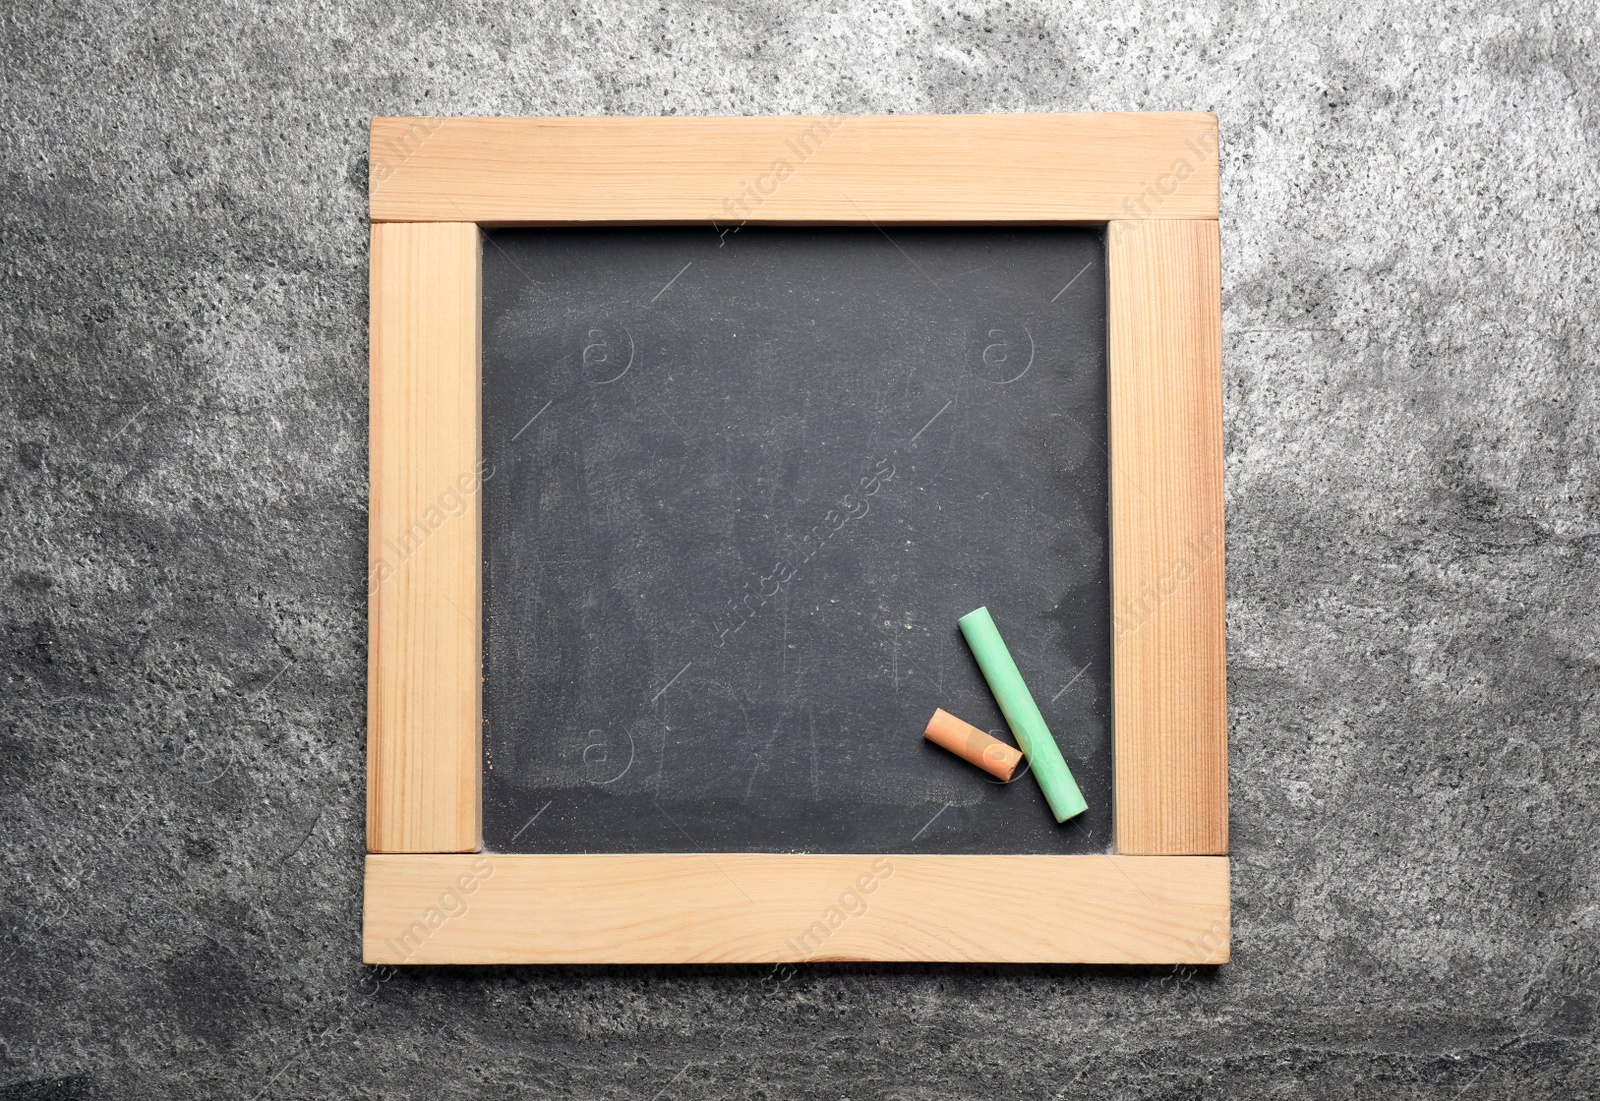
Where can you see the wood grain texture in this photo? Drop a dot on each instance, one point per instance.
(887, 169)
(1169, 664)
(424, 638)
(756, 908)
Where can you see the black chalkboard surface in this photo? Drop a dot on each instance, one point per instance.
(742, 485)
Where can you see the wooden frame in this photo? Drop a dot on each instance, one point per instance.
(431, 896)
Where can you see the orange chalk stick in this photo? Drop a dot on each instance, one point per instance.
(973, 745)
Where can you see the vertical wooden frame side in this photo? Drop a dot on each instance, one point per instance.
(424, 634)
(1169, 665)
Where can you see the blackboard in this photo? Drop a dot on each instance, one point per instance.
(740, 485)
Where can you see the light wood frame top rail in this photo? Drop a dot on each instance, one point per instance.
(800, 169)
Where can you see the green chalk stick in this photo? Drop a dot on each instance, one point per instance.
(1016, 703)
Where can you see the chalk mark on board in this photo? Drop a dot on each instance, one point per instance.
(661, 760)
(776, 729)
(1071, 281)
(751, 786)
(690, 440)
(929, 425)
(932, 820)
(671, 281)
(811, 724)
(1070, 683)
(533, 418)
(671, 682)
(531, 821)
(783, 650)
(917, 669)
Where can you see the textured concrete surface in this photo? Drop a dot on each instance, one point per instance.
(1410, 214)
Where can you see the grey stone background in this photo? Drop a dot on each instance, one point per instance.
(1410, 206)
